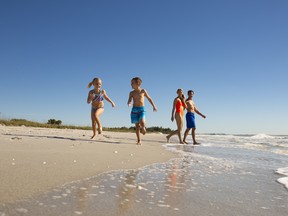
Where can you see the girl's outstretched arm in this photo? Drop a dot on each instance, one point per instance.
(90, 97)
(108, 99)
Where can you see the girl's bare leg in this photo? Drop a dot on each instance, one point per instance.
(98, 113)
(95, 117)
(170, 135)
(185, 135)
(179, 121)
(93, 124)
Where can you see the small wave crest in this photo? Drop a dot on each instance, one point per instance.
(283, 180)
(262, 136)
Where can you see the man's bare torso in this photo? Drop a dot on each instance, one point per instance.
(190, 106)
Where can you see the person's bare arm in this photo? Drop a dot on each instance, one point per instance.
(183, 100)
(108, 99)
(90, 97)
(173, 109)
(129, 99)
(150, 100)
(199, 113)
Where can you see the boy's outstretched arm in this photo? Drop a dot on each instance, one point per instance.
(129, 99)
(150, 100)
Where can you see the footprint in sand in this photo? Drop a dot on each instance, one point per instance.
(16, 138)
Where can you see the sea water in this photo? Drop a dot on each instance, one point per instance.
(225, 175)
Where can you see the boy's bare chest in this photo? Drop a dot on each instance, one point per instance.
(138, 95)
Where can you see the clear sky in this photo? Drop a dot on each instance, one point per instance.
(232, 53)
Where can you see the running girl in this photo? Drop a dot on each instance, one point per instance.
(96, 97)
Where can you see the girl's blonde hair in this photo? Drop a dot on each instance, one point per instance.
(95, 79)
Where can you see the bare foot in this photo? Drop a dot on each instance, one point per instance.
(93, 136)
(184, 141)
(143, 130)
(196, 143)
(167, 137)
(138, 143)
(100, 130)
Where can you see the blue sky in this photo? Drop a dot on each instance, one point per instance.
(232, 53)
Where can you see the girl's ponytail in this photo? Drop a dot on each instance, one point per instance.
(95, 79)
(90, 84)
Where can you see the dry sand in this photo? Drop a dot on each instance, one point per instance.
(34, 160)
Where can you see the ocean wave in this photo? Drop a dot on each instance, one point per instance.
(262, 136)
(282, 171)
(281, 152)
(283, 180)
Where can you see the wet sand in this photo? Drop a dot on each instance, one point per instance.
(201, 180)
(35, 160)
(182, 186)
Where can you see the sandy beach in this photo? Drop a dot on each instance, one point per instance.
(35, 160)
(62, 172)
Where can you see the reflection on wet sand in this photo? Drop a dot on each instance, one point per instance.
(127, 192)
(179, 187)
(82, 198)
(120, 193)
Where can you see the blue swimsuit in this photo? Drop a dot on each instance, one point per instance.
(137, 113)
(190, 120)
(98, 97)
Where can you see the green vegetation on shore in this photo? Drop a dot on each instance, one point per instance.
(52, 123)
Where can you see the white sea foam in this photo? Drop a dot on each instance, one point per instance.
(282, 171)
(283, 180)
(281, 152)
(261, 141)
(262, 136)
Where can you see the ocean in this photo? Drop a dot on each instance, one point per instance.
(227, 175)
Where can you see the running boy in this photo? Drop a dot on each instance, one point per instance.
(138, 110)
(190, 117)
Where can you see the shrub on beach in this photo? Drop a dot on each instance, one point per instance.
(54, 122)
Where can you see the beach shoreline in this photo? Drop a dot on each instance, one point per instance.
(62, 172)
(36, 160)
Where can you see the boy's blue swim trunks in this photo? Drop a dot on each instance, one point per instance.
(137, 113)
(190, 120)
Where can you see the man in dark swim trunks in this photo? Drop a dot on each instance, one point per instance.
(190, 117)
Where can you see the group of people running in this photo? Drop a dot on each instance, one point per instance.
(96, 97)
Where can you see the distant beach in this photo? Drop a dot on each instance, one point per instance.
(63, 172)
